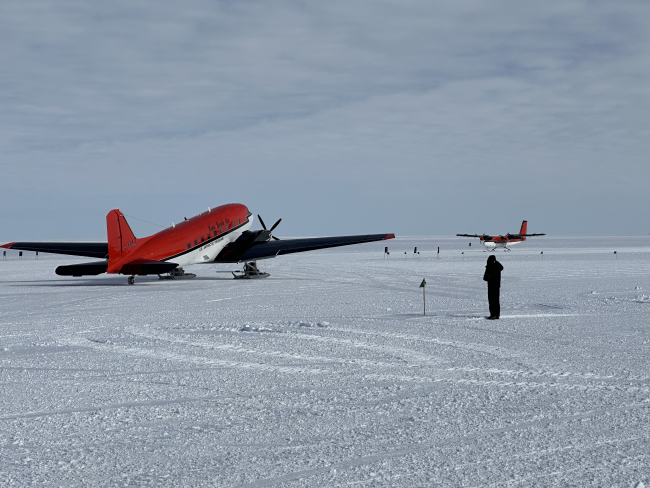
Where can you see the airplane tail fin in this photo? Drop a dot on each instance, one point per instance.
(524, 227)
(121, 240)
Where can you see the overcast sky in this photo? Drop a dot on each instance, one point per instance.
(413, 117)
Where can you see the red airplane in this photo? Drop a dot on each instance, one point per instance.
(493, 242)
(220, 235)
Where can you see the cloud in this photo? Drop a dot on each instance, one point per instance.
(309, 110)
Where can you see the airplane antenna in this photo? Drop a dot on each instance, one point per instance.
(132, 217)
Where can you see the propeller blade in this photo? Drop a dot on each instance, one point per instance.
(276, 238)
(261, 221)
(275, 225)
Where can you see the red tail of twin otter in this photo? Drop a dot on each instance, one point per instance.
(524, 228)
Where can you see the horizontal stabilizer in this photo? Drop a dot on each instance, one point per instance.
(147, 268)
(88, 249)
(89, 269)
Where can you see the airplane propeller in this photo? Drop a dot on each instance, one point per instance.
(271, 229)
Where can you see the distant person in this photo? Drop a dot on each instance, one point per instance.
(492, 275)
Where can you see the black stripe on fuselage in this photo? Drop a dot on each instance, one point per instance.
(212, 239)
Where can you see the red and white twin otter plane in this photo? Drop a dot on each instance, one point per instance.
(493, 242)
(220, 235)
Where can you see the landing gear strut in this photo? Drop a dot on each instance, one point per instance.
(249, 272)
(131, 280)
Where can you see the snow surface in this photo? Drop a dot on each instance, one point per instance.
(327, 374)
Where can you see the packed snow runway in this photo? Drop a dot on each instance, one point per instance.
(328, 374)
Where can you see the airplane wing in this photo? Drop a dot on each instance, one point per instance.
(247, 251)
(89, 249)
(468, 235)
(517, 236)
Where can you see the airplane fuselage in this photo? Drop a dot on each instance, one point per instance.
(498, 243)
(198, 240)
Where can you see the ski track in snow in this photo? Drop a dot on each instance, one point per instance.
(327, 374)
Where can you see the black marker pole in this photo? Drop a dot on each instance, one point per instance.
(423, 285)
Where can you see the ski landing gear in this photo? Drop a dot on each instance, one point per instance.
(249, 272)
(177, 274)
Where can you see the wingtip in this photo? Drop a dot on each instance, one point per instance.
(8, 246)
(389, 236)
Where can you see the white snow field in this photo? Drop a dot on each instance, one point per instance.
(328, 374)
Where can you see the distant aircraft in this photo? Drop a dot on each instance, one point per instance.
(494, 242)
(219, 235)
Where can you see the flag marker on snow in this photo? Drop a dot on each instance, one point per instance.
(423, 285)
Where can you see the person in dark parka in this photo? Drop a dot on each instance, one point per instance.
(492, 275)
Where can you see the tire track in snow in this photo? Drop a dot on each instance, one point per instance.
(521, 385)
(415, 448)
(169, 356)
(565, 471)
(557, 374)
(227, 399)
(420, 359)
(493, 350)
(543, 452)
(257, 352)
(480, 348)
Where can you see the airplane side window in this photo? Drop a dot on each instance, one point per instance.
(215, 233)
(238, 221)
(202, 239)
(196, 242)
(189, 246)
(208, 238)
